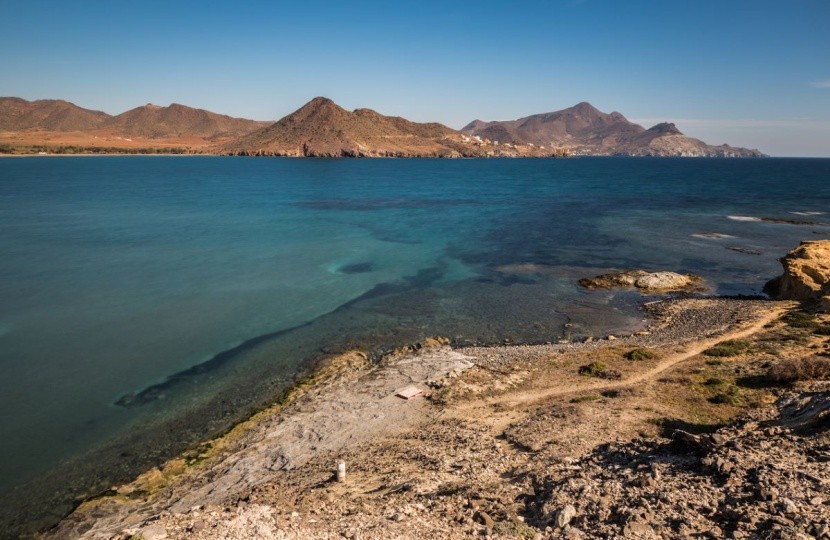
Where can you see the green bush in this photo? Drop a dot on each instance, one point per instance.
(641, 354)
(593, 369)
(800, 319)
(730, 347)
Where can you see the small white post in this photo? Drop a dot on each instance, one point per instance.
(341, 471)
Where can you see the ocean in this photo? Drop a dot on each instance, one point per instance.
(149, 303)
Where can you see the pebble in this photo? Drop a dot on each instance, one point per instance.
(564, 516)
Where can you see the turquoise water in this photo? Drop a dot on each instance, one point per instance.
(149, 302)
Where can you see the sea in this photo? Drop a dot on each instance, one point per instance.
(149, 303)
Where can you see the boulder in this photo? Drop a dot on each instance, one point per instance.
(645, 281)
(806, 274)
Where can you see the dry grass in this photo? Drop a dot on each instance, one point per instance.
(799, 369)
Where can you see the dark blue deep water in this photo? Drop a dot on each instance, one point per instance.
(149, 302)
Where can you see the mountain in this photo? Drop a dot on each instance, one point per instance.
(155, 122)
(58, 126)
(322, 128)
(47, 114)
(586, 130)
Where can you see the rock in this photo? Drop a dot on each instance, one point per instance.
(484, 518)
(154, 532)
(788, 506)
(806, 273)
(646, 281)
(638, 529)
(564, 516)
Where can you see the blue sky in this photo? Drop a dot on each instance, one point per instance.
(751, 73)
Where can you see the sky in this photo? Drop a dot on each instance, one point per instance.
(753, 73)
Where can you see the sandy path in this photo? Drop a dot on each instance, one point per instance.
(691, 349)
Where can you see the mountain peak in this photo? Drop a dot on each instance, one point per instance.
(583, 107)
(665, 128)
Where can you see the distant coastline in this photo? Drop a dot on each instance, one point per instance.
(321, 128)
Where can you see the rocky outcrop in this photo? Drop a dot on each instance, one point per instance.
(645, 281)
(764, 476)
(806, 274)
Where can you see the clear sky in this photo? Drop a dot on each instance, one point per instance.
(751, 73)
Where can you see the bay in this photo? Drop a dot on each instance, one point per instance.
(148, 303)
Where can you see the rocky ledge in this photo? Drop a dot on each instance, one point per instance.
(645, 281)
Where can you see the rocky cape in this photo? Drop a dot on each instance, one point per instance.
(585, 130)
(321, 128)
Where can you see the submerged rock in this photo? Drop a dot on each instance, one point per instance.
(806, 274)
(646, 281)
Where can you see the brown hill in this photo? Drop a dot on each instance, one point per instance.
(17, 114)
(587, 130)
(155, 122)
(321, 128)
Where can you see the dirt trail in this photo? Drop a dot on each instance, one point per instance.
(691, 349)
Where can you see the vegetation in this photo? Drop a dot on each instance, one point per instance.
(593, 369)
(583, 399)
(85, 150)
(800, 319)
(641, 354)
(799, 369)
(730, 347)
(730, 395)
(599, 369)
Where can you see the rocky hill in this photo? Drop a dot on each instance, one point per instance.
(154, 122)
(321, 128)
(47, 114)
(586, 130)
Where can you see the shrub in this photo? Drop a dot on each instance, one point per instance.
(799, 369)
(583, 399)
(822, 330)
(593, 369)
(800, 319)
(730, 347)
(641, 354)
(731, 396)
(599, 369)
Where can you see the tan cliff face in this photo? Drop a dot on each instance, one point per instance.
(806, 274)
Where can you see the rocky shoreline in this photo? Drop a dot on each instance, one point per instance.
(352, 403)
(710, 423)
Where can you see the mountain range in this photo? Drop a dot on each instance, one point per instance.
(321, 128)
(586, 130)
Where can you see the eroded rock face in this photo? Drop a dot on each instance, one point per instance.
(646, 281)
(806, 274)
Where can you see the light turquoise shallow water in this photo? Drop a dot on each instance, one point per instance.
(118, 275)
